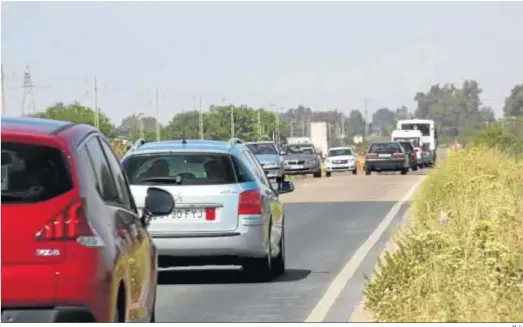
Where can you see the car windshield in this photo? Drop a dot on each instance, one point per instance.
(414, 140)
(385, 147)
(33, 173)
(262, 148)
(298, 149)
(180, 169)
(339, 152)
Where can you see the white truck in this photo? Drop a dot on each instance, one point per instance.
(413, 136)
(319, 137)
(299, 140)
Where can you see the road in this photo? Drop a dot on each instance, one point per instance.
(327, 221)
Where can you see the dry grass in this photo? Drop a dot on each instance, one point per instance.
(461, 257)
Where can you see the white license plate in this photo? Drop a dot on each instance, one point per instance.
(297, 167)
(184, 215)
(384, 155)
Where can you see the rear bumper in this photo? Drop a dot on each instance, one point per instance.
(246, 241)
(48, 315)
(386, 165)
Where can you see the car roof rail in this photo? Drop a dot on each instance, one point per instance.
(234, 140)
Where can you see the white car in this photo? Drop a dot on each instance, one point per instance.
(340, 159)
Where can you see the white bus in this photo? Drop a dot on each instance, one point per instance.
(427, 129)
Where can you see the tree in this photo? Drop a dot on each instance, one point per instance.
(77, 113)
(514, 103)
(130, 127)
(355, 124)
(383, 121)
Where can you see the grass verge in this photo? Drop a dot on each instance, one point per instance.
(460, 258)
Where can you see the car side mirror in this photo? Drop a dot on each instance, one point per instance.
(158, 202)
(286, 187)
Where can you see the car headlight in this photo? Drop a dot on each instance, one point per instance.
(271, 165)
(311, 162)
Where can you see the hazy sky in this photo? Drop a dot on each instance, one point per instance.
(321, 54)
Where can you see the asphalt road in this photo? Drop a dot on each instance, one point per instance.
(327, 220)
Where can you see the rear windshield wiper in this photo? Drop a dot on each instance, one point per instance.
(168, 180)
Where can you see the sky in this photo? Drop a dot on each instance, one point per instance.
(325, 55)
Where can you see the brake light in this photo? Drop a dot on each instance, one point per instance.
(70, 224)
(250, 203)
(370, 155)
(398, 155)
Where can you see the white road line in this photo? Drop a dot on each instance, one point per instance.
(338, 284)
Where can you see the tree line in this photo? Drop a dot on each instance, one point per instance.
(456, 110)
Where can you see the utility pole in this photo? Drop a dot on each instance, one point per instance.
(3, 92)
(278, 126)
(259, 125)
(28, 93)
(232, 121)
(366, 111)
(95, 100)
(157, 116)
(291, 125)
(201, 119)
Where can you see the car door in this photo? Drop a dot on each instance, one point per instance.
(125, 222)
(144, 265)
(276, 207)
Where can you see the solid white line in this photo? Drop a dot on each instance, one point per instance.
(338, 284)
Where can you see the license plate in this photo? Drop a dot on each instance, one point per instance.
(184, 215)
(384, 155)
(296, 167)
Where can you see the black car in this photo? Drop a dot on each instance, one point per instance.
(386, 156)
(412, 154)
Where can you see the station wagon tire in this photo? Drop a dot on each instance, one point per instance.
(367, 172)
(355, 172)
(404, 171)
(415, 168)
(278, 263)
(328, 174)
(259, 269)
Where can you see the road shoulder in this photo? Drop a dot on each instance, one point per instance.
(360, 314)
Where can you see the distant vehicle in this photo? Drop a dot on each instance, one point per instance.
(301, 159)
(386, 156)
(299, 140)
(413, 136)
(269, 157)
(340, 159)
(72, 237)
(227, 212)
(429, 135)
(413, 161)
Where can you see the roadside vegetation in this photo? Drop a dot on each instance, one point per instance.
(460, 258)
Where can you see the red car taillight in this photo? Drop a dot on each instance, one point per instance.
(70, 224)
(250, 203)
(370, 155)
(398, 155)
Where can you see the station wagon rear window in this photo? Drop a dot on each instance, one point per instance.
(391, 147)
(262, 148)
(180, 169)
(33, 173)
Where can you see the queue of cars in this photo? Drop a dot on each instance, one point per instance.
(83, 234)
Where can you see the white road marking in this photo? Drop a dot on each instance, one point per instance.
(338, 284)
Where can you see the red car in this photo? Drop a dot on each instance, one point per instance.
(74, 248)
